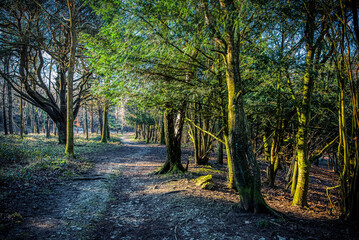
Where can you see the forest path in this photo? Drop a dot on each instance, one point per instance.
(146, 206)
(121, 199)
(71, 209)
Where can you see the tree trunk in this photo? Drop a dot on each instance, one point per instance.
(61, 129)
(245, 167)
(54, 128)
(301, 189)
(10, 117)
(173, 123)
(86, 130)
(23, 60)
(100, 118)
(4, 109)
(104, 135)
(22, 128)
(47, 125)
(219, 144)
(136, 131)
(92, 120)
(69, 150)
(33, 120)
(231, 181)
(162, 139)
(148, 137)
(343, 147)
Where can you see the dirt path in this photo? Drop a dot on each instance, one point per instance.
(121, 200)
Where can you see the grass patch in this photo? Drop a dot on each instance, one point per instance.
(36, 157)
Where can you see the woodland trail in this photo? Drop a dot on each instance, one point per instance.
(121, 199)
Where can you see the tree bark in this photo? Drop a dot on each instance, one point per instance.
(301, 190)
(54, 128)
(219, 144)
(33, 119)
(100, 117)
(10, 117)
(47, 125)
(173, 124)
(23, 59)
(245, 167)
(162, 138)
(61, 130)
(136, 131)
(69, 150)
(92, 120)
(104, 135)
(4, 109)
(86, 130)
(22, 128)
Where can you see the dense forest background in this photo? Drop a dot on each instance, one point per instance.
(269, 82)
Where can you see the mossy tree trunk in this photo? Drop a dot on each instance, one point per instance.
(69, 150)
(354, 188)
(301, 188)
(245, 167)
(173, 126)
(239, 150)
(220, 145)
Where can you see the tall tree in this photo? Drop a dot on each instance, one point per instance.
(313, 54)
(245, 167)
(73, 21)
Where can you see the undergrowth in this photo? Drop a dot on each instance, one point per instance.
(37, 158)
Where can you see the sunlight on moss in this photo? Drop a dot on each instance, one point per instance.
(207, 169)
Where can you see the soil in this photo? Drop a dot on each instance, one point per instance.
(122, 199)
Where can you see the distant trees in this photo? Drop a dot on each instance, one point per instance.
(34, 34)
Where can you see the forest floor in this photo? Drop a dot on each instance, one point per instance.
(119, 198)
